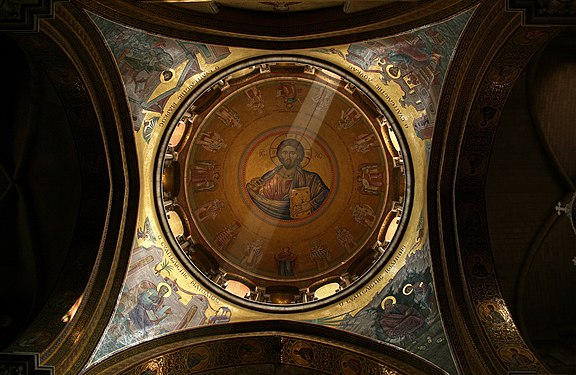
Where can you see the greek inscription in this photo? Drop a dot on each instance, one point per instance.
(366, 289)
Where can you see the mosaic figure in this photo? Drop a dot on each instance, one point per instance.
(229, 117)
(493, 315)
(255, 99)
(322, 99)
(228, 234)
(252, 254)
(286, 262)
(211, 141)
(348, 118)
(287, 96)
(364, 214)
(345, 238)
(204, 175)
(364, 142)
(371, 179)
(209, 210)
(288, 191)
(399, 321)
(150, 308)
(320, 255)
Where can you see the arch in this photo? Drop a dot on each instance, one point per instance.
(272, 342)
(456, 203)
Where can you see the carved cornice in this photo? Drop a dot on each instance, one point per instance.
(20, 15)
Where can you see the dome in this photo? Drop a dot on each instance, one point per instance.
(283, 181)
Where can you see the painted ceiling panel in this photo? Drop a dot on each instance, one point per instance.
(397, 305)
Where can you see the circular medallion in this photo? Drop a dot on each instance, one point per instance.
(197, 358)
(302, 354)
(288, 180)
(250, 350)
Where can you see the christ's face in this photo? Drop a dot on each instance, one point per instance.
(289, 157)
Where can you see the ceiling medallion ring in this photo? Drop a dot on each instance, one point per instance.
(287, 180)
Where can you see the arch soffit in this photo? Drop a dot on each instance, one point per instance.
(74, 41)
(495, 49)
(278, 342)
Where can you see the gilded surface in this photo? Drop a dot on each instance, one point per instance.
(257, 355)
(286, 178)
(397, 306)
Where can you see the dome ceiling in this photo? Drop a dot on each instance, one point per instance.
(291, 192)
(282, 178)
(285, 186)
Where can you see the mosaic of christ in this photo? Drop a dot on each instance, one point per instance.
(289, 191)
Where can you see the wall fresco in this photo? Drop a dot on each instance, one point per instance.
(417, 62)
(152, 306)
(153, 302)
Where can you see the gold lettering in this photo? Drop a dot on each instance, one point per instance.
(366, 289)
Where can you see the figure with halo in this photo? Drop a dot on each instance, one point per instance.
(150, 309)
(288, 192)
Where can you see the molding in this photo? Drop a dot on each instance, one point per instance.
(23, 16)
(24, 364)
